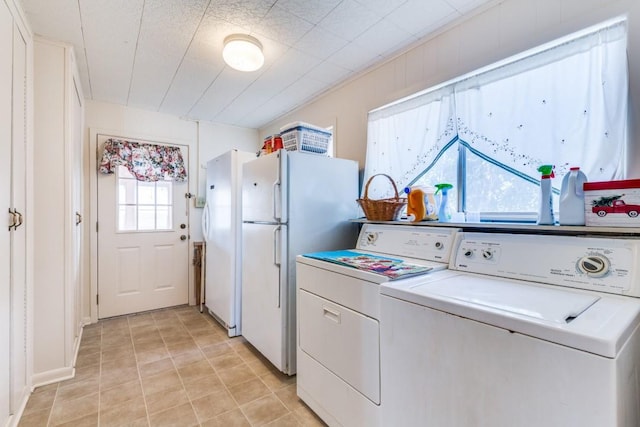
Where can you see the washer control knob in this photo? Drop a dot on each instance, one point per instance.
(594, 265)
(487, 253)
(468, 253)
(439, 245)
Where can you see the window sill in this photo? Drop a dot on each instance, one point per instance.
(518, 228)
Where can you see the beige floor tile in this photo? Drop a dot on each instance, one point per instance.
(217, 350)
(41, 398)
(115, 337)
(88, 359)
(236, 375)
(156, 367)
(152, 355)
(86, 372)
(90, 420)
(276, 380)
(264, 410)
(289, 397)
(249, 391)
(179, 347)
(124, 351)
(212, 405)
(226, 361)
(148, 341)
(77, 389)
(195, 370)
(140, 320)
(182, 416)
(234, 418)
(260, 367)
(162, 400)
(187, 358)
(35, 418)
(165, 381)
(120, 394)
(203, 386)
(209, 339)
(114, 377)
(120, 415)
(289, 420)
(69, 410)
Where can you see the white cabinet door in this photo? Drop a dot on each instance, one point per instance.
(6, 71)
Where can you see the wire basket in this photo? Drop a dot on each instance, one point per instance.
(383, 209)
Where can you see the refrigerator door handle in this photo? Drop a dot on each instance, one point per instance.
(275, 260)
(205, 222)
(275, 197)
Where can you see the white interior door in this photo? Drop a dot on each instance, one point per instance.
(143, 244)
(6, 41)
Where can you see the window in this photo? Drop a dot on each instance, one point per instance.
(143, 206)
(564, 103)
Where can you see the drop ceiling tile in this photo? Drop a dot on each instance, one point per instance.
(382, 7)
(320, 43)
(311, 11)
(355, 57)
(282, 26)
(419, 17)
(329, 73)
(349, 19)
(167, 29)
(244, 13)
(386, 36)
(111, 48)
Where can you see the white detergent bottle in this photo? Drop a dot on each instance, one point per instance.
(572, 198)
(545, 213)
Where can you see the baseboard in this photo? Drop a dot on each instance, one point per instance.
(15, 418)
(52, 376)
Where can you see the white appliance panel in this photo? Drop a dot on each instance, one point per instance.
(264, 258)
(445, 370)
(264, 189)
(599, 264)
(221, 230)
(342, 340)
(407, 241)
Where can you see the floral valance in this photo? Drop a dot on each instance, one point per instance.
(147, 162)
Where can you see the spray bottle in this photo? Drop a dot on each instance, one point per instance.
(443, 211)
(545, 213)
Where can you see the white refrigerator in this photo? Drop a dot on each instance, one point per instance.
(292, 203)
(221, 227)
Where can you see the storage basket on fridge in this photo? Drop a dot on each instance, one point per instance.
(305, 137)
(383, 209)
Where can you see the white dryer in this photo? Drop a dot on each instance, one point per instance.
(338, 323)
(523, 331)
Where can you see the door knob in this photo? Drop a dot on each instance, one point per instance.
(183, 237)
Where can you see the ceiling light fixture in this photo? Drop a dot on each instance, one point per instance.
(243, 52)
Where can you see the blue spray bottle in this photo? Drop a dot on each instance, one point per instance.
(443, 211)
(545, 213)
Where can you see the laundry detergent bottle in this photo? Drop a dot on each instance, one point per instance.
(444, 214)
(572, 198)
(416, 206)
(545, 213)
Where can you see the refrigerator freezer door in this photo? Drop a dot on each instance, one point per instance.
(264, 189)
(222, 273)
(263, 290)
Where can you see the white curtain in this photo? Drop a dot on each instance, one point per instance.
(405, 138)
(565, 105)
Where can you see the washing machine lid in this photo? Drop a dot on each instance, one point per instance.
(588, 321)
(550, 305)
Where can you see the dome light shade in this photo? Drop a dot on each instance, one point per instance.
(243, 52)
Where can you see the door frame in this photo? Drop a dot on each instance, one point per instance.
(92, 316)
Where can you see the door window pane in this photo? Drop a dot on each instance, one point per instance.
(143, 206)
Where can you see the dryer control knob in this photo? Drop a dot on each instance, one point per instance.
(439, 245)
(487, 253)
(594, 265)
(468, 253)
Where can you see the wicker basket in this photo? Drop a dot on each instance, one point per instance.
(383, 209)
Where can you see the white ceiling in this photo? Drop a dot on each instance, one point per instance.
(166, 55)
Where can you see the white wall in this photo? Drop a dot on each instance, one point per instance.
(496, 33)
(205, 141)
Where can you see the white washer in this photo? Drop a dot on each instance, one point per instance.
(522, 331)
(338, 321)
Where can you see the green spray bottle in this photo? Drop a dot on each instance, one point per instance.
(545, 213)
(443, 211)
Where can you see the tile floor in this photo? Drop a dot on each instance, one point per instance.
(172, 367)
